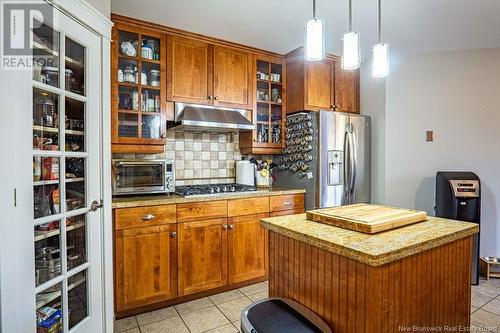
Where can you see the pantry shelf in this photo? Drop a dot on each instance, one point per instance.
(44, 299)
(40, 235)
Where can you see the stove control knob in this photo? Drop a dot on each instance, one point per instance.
(232, 189)
(211, 190)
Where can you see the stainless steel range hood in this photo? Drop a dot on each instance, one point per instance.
(209, 118)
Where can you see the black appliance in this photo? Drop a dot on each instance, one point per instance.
(458, 197)
(196, 190)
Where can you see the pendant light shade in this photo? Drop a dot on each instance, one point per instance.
(380, 63)
(351, 56)
(351, 50)
(315, 38)
(380, 56)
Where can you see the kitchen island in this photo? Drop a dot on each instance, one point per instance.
(411, 279)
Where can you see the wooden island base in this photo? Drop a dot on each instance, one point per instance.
(426, 290)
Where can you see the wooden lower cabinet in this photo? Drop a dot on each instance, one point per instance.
(247, 248)
(145, 266)
(202, 255)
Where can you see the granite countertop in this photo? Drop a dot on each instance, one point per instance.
(166, 199)
(377, 249)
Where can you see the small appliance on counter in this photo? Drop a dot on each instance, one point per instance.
(199, 190)
(245, 173)
(143, 176)
(458, 197)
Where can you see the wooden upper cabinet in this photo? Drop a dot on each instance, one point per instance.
(319, 85)
(247, 248)
(232, 77)
(346, 89)
(202, 255)
(189, 75)
(145, 266)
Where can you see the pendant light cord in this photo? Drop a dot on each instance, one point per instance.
(350, 15)
(314, 9)
(379, 21)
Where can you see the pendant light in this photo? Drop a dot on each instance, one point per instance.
(351, 46)
(380, 56)
(315, 38)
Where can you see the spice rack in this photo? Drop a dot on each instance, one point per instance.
(139, 89)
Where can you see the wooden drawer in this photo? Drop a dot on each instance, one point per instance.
(201, 211)
(287, 212)
(248, 206)
(144, 216)
(287, 202)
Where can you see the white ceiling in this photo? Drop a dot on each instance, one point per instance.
(277, 25)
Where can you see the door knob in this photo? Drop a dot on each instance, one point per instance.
(210, 97)
(231, 227)
(95, 205)
(224, 227)
(173, 234)
(216, 98)
(163, 136)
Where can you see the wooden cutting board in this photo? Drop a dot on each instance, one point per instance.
(366, 218)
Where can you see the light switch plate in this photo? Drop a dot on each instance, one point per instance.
(429, 136)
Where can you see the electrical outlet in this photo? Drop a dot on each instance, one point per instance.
(429, 136)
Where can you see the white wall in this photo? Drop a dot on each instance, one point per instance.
(104, 6)
(456, 94)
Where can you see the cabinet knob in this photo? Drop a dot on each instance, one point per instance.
(148, 217)
(173, 234)
(231, 227)
(216, 98)
(163, 136)
(210, 97)
(224, 227)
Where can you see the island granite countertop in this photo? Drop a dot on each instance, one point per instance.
(166, 199)
(377, 249)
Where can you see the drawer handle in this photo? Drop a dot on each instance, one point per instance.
(287, 203)
(148, 217)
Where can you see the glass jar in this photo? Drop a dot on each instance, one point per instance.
(44, 110)
(50, 75)
(128, 75)
(68, 76)
(154, 77)
(146, 52)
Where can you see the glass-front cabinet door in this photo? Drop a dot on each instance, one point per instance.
(139, 83)
(66, 173)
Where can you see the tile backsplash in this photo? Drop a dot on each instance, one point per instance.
(200, 158)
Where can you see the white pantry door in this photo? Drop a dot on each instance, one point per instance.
(66, 174)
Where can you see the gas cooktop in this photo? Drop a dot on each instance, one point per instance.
(195, 190)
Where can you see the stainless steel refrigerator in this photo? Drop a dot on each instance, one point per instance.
(328, 154)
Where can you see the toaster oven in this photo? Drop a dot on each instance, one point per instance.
(143, 176)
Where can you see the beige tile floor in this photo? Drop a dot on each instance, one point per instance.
(220, 313)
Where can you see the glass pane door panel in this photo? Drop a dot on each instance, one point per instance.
(276, 132)
(127, 71)
(150, 74)
(128, 125)
(262, 91)
(262, 70)
(276, 94)
(75, 125)
(276, 113)
(75, 183)
(76, 240)
(47, 252)
(151, 126)
(150, 48)
(127, 44)
(77, 298)
(45, 54)
(74, 74)
(49, 310)
(276, 72)
(45, 120)
(150, 100)
(262, 132)
(128, 98)
(45, 186)
(262, 112)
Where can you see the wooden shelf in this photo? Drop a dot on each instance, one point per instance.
(269, 81)
(144, 86)
(128, 111)
(75, 180)
(45, 182)
(151, 61)
(41, 235)
(46, 298)
(56, 130)
(128, 84)
(126, 57)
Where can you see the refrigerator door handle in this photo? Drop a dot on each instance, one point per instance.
(352, 163)
(347, 166)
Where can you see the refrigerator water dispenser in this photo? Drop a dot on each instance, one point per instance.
(335, 167)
